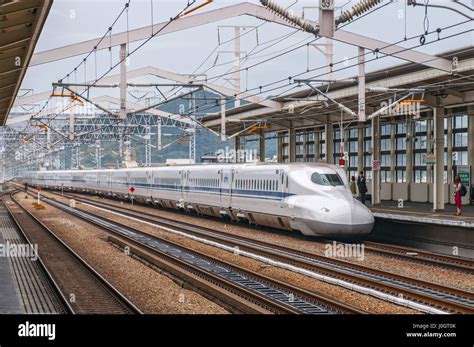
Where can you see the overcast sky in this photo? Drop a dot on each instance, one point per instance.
(75, 21)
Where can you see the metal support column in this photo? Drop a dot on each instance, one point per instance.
(393, 156)
(450, 176)
(98, 155)
(237, 65)
(375, 156)
(159, 145)
(237, 148)
(261, 145)
(360, 150)
(147, 146)
(123, 81)
(470, 140)
(317, 155)
(409, 153)
(438, 184)
(329, 143)
(429, 146)
(280, 147)
(361, 84)
(292, 145)
(223, 128)
(345, 148)
(192, 137)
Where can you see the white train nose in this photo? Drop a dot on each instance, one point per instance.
(338, 215)
(360, 214)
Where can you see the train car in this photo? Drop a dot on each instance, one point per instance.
(313, 198)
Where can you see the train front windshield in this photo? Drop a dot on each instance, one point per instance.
(326, 179)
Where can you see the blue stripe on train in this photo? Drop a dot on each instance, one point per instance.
(246, 193)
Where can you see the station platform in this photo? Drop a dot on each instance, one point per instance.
(24, 287)
(423, 213)
(10, 302)
(416, 225)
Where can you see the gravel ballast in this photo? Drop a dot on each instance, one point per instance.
(151, 291)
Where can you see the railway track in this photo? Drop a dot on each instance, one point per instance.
(265, 294)
(451, 262)
(415, 255)
(434, 295)
(84, 291)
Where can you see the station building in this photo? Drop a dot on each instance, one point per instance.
(401, 141)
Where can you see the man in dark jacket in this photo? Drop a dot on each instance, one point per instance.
(362, 185)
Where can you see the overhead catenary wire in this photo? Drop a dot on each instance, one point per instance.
(364, 54)
(247, 70)
(314, 69)
(190, 3)
(348, 66)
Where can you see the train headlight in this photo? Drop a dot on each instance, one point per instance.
(324, 209)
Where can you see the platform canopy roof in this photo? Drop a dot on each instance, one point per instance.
(21, 23)
(305, 108)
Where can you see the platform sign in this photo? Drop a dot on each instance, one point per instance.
(464, 173)
(430, 159)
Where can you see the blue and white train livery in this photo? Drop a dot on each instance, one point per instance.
(313, 198)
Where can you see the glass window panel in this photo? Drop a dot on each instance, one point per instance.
(353, 133)
(368, 131)
(401, 160)
(386, 129)
(401, 176)
(368, 161)
(353, 147)
(353, 161)
(460, 139)
(386, 160)
(420, 142)
(401, 128)
(385, 144)
(420, 126)
(367, 145)
(401, 144)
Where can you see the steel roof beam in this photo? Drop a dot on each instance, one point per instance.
(229, 12)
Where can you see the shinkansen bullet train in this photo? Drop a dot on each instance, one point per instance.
(313, 198)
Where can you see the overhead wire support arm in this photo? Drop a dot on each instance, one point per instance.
(320, 92)
(414, 3)
(385, 108)
(91, 102)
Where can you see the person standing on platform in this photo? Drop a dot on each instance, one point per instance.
(457, 194)
(362, 187)
(353, 186)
